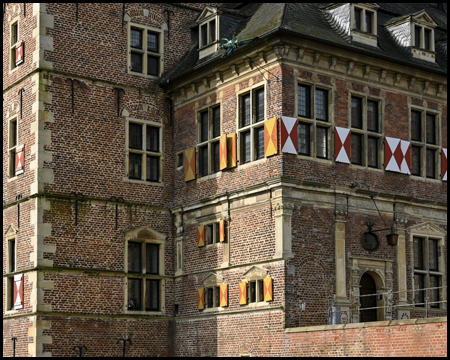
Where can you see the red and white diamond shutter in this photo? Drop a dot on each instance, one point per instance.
(342, 144)
(19, 54)
(397, 155)
(20, 159)
(289, 135)
(18, 291)
(444, 164)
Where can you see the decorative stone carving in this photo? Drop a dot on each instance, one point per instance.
(213, 279)
(255, 273)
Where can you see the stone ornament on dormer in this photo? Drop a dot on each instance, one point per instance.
(256, 273)
(414, 34)
(208, 25)
(213, 279)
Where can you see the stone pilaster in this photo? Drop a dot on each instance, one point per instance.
(400, 229)
(283, 229)
(339, 240)
(179, 242)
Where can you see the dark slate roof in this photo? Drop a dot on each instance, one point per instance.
(311, 21)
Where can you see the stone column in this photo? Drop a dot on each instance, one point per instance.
(400, 229)
(283, 230)
(226, 244)
(179, 242)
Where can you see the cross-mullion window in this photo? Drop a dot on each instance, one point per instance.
(145, 51)
(209, 130)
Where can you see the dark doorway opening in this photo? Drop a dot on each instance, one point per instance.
(368, 287)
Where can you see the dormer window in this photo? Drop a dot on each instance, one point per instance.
(364, 23)
(364, 20)
(423, 38)
(208, 26)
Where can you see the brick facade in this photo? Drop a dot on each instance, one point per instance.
(294, 219)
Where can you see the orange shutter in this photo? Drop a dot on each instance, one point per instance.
(189, 164)
(231, 150)
(223, 295)
(201, 235)
(268, 293)
(222, 230)
(270, 137)
(223, 152)
(242, 293)
(201, 298)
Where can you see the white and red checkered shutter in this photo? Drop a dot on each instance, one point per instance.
(289, 135)
(342, 145)
(444, 164)
(397, 155)
(20, 159)
(18, 291)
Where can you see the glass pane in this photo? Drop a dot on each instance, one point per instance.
(252, 291)
(418, 253)
(431, 163)
(152, 42)
(427, 38)
(135, 136)
(431, 129)
(433, 252)
(417, 36)
(304, 101)
(245, 110)
(153, 168)
(134, 294)
(13, 134)
(259, 142)
(304, 139)
(153, 65)
(136, 38)
(209, 234)
(152, 139)
(14, 33)
(136, 62)
(204, 35)
(322, 140)
(419, 296)
(260, 290)
(210, 297)
(372, 116)
(151, 295)
(356, 144)
(434, 293)
(246, 147)
(372, 152)
(369, 20)
(216, 296)
(203, 160)
(415, 161)
(212, 30)
(322, 104)
(134, 257)
(357, 112)
(216, 156)
(152, 258)
(135, 166)
(12, 256)
(204, 126)
(358, 13)
(216, 122)
(416, 126)
(259, 108)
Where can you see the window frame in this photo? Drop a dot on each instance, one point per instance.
(13, 44)
(423, 145)
(426, 272)
(145, 52)
(12, 145)
(144, 152)
(143, 276)
(422, 44)
(207, 23)
(11, 236)
(254, 126)
(364, 131)
(313, 122)
(210, 141)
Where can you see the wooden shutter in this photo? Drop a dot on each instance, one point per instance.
(397, 155)
(444, 164)
(201, 235)
(222, 230)
(268, 293)
(289, 135)
(242, 293)
(18, 291)
(224, 295)
(20, 157)
(223, 152)
(189, 164)
(231, 150)
(201, 298)
(19, 54)
(342, 145)
(270, 137)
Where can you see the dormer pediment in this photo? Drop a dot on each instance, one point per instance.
(207, 13)
(144, 233)
(11, 231)
(427, 229)
(213, 280)
(424, 19)
(255, 273)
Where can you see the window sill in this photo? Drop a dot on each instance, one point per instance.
(12, 179)
(421, 178)
(359, 167)
(251, 163)
(152, 77)
(143, 182)
(214, 309)
(209, 177)
(257, 304)
(149, 313)
(305, 157)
